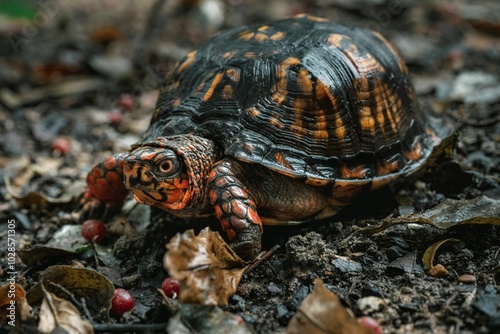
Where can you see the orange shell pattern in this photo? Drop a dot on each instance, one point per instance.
(305, 97)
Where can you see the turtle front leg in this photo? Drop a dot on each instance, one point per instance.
(105, 191)
(235, 209)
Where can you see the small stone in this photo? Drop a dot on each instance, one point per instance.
(111, 66)
(298, 296)
(467, 279)
(346, 265)
(394, 252)
(273, 288)
(371, 304)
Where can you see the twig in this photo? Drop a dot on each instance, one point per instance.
(129, 328)
(261, 259)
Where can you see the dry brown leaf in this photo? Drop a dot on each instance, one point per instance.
(13, 304)
(40, 253)
(60, 315)
(81, 282)
(481, 211)
(207, 268)
(322, 313)
(35, 198)
(437, 270)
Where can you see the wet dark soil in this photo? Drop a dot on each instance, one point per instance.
(78, 81)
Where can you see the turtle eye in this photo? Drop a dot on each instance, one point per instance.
(168, 166)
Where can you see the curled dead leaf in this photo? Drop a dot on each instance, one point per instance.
(437, 270)
(81, 282)
(321, 312)
(480, 211)
(60, 315)
(13, 304)
(40, 253)
(207, 268)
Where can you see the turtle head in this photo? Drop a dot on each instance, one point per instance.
(157, 176)
(171, 172)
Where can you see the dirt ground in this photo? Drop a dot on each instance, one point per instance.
(79, 80)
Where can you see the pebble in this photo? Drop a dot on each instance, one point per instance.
(467, 279)
(347, 265)
(273, 288)
(370, 304)
(112, 66)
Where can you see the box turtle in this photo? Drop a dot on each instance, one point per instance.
(277, 124)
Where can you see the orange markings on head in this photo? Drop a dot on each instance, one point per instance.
(181, 182)
(263, 28)
(147, 156)
(190, 58)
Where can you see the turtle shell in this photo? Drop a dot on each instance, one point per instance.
(304, 97)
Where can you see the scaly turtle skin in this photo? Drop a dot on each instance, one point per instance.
(278, 123)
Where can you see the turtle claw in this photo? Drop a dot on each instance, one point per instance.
(247, 244)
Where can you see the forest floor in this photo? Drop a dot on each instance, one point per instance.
(79, 81)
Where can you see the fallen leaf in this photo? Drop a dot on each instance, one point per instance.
(321, 312)
(81, 282)
(13, 304)
(405, 264)
(35, 198)
(437, 270)
(207, 268)
(203, 319)
(481, 211)
(40, 253)
(60, 315)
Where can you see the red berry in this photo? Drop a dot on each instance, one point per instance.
(116, 117)
(61, 146)
(126, 102)
(122, 302)
(171, 287)
(94, 231)
(370, 324)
